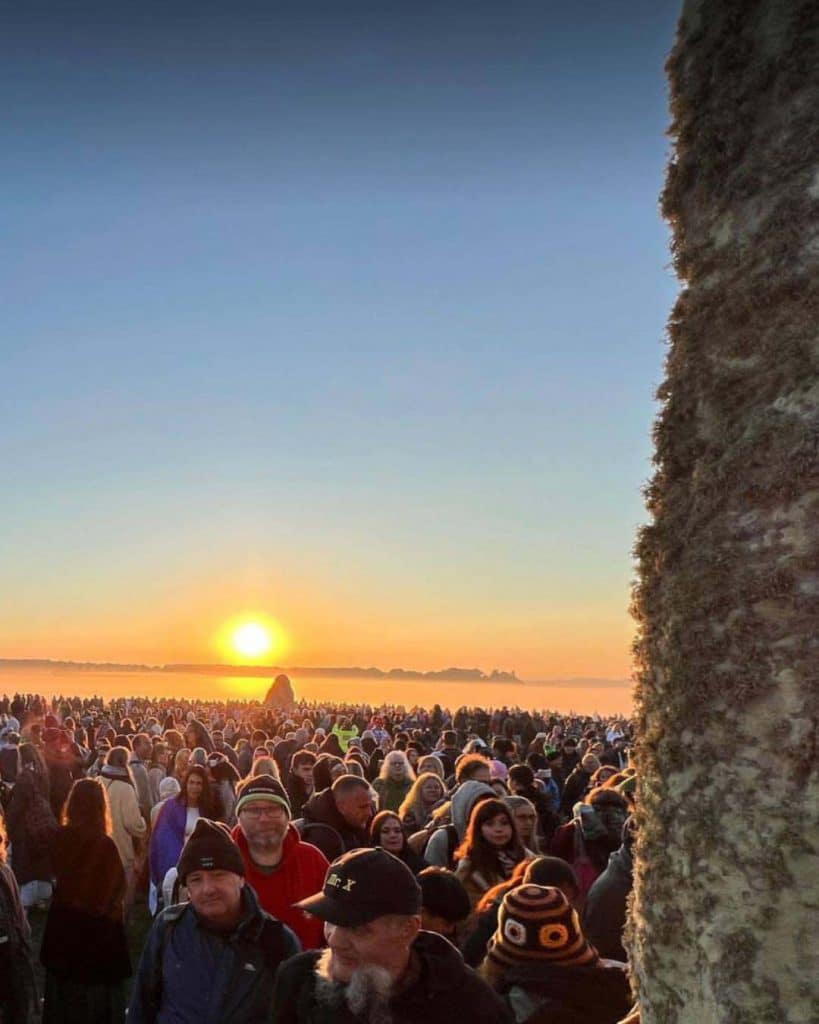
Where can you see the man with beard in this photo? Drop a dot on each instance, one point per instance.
(280, 867)
(346, 807)
(379, 967)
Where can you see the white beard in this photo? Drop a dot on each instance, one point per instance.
(367, 993)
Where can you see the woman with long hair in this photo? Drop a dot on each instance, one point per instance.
(387, 832)
(431, 763)
(177, 820)
(395, 779)
(416, 809)
(84, 950)
(491, 849)
(128, 825)
(31, 826)
(525, 817)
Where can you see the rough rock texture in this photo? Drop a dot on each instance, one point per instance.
(280, 694)
(725, 923)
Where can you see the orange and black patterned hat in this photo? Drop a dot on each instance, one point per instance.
(537, 924)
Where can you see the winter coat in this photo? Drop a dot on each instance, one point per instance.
(548, 994)
(321, 808)
(18, 988)
(391, 794)
(27, 809)
(189, 972)
(445, 990)
(604, 915)
(126, 820)
(84, 938)
(300, 874)
(167, 839)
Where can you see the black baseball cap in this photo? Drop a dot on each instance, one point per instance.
(363, 885)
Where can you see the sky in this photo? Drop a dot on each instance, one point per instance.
(346, 315)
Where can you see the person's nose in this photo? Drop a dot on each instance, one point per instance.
(337, 937)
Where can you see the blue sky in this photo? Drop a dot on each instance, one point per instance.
(349, 313)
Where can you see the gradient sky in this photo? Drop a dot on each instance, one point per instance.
(351, 314)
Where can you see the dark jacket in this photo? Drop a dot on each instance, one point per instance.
(446, 990)
(604, 915)
(321, 808)
(568, 995)
(574, 790)
(189, 972)
(27, 810)
(18, 987)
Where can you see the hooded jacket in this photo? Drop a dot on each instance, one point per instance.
(463, 800)
(321, 808)
(300, 874)
(444, 990)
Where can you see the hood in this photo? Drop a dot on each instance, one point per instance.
(463, 801)
(322, 807)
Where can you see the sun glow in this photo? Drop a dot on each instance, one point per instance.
(249, 638)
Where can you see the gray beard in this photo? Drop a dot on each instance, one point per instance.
(367, 993)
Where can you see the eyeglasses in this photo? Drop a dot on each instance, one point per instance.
(273, 811)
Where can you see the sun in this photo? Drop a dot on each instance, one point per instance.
(251, 640)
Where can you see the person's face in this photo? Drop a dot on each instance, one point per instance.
(412, 757)
(193, 789)
(430, 791)
(304, 771)
(497, 831)
(381, 943)
(569, 749)
(355, 807)
(612, 818)
(218, 741)
(392, 836)
(263, 823)
(216, 895)
(525, 822)
(396, 768)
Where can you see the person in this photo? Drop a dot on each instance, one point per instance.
(128, 825)
(395, 779)
(577, 784)
(31, 826)
(604, 914)
(18, 988)
(541, 961)
(281, 868)
(378, 965)
(525, 818)
(541, 871)
(343, 731)
(176, 821)
(346, 807)
(427, 791)
(300, 786)
(490, 850)
(522, 783)
(445, 904)
(84, 948)
(387, 832)
(141, 748)
(214, 958)
(592, 835)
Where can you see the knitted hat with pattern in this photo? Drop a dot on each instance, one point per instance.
(537, 924)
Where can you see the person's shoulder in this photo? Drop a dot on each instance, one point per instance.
(299, 967)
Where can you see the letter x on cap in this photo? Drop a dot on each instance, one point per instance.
(363, 885)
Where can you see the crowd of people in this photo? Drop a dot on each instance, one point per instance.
(312, 863)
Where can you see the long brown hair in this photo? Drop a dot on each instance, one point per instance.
(206, 800)
(86, 808)
(482, 856)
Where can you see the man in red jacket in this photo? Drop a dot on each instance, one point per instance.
(280, 867)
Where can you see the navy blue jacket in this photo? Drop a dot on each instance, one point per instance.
(190, 974)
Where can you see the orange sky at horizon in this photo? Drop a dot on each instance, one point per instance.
(173, 622)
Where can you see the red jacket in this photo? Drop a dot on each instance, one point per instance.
(300, 874)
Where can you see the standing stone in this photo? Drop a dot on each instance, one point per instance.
(725, 923)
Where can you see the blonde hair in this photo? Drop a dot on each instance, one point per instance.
(413, 803)
(391, 758)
